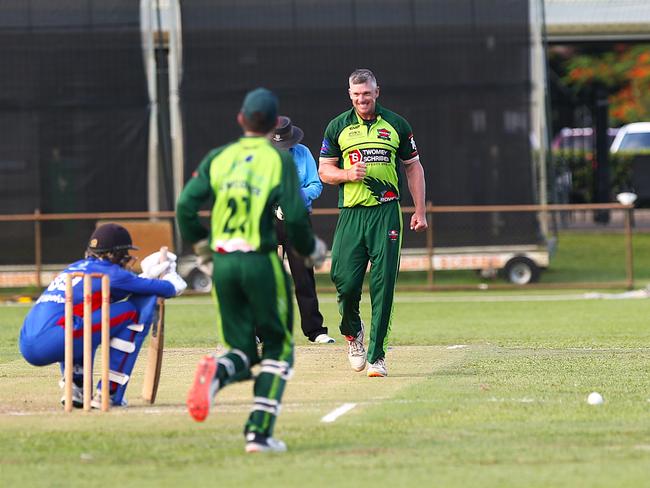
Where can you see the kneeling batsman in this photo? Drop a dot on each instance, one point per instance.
(132, 310)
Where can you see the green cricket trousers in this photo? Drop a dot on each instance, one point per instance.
(367, 234)
(253, 293)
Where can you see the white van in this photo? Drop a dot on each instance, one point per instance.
(632, 137)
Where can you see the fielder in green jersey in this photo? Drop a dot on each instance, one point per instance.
(246, 180)
(361, 152)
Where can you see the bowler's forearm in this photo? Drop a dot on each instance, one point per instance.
(330, 173)
(415, 177)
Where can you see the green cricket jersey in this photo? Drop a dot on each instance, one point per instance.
(245, 179)
(380, 144)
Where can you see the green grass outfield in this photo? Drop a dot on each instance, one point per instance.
(485, 389)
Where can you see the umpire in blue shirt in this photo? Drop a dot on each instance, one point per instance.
(287, 136)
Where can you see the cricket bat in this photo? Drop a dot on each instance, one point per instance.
(156, 344)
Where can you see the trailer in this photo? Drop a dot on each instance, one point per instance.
(519, 265)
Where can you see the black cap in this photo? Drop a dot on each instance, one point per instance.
(110, 237)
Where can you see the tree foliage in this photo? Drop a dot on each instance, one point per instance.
(625, 71)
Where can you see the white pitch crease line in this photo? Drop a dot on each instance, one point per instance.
(337, 412)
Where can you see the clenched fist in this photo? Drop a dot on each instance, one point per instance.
(357, 172)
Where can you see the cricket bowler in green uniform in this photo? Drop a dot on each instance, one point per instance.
(246, 180)
(361, 152)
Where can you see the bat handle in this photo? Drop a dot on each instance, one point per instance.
(163, 254)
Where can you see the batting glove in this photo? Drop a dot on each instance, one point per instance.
(153, 268)
(176, 280)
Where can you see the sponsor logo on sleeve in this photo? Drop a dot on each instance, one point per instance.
(325, 147)
(413, 146)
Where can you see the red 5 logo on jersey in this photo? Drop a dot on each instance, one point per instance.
(355, 157)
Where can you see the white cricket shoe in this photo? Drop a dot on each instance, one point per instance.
(378, 369)
(96, 401)
(324, 339)
(261, 443)
(356, 351)
(77, 395)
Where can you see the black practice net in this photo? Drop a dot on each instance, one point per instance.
(73, 119)
(458, 70)
(74, 108)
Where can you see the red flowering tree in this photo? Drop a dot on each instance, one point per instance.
(625, 71)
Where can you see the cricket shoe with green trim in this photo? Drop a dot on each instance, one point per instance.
(378, 369)
(356, 351)
(204, 388)
(260, 443)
